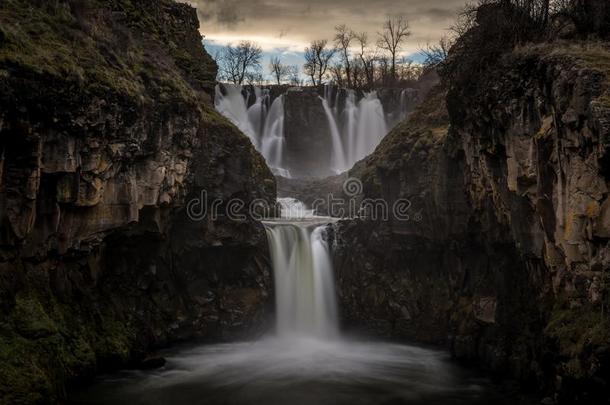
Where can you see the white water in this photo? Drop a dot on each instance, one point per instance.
(355, 131)
(304, 286)
(233, 106)
(363, 127)
(338, 161)
(303, 274)
(306, 361)
(272, 137)
(291, 208)
(369, 130)
(264, 125)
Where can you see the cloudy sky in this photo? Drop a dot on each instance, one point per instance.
(285, 27)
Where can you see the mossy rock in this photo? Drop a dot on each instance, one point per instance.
(30, 319)
(579, 330)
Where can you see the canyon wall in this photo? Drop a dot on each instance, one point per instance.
(106, 133)
(504, 257)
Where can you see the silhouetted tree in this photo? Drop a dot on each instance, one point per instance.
(343, 41)
(367, 59)
(278, 69)
(293, 75)
(436, 53)
(317, 59)
(237, 62)
(395, 32)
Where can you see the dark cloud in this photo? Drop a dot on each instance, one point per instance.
(220, 12)
(440, 13)
(301, 21)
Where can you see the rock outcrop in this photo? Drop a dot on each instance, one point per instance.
(107, 132)
(504, 255)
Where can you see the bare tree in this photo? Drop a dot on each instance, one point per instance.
(366, 58)
(395, 32)
(435, 54)
(343, 40)
(384, 70)
(311, 65)
(293, 75)
(238, 62)
(317, 59)
(408, 71)
(278, 69)
(337, 74)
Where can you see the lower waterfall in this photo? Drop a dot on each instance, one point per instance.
(305, 360)
(304, 285)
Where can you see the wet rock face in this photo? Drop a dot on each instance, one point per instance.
(307, 133)
(101, 149)
(507, 262)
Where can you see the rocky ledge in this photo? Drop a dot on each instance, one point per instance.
(106, 133)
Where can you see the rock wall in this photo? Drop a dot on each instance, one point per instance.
(106, 133)
(504, 258)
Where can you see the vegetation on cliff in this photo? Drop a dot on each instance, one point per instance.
(106, 131)
(138, 49)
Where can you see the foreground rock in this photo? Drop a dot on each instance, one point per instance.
(504, 256)
(106, 133)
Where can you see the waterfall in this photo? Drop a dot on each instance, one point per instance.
(350, 119)
(272, 142)
(371, 127)
(264, 125)
(363, 127)
(356, 122)
(233, 105)
(338, 162)
(302, 267)
(408, 97)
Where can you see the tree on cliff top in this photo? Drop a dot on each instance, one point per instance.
(435, 54)
(278, 69)
(343, 40)
(317, 60)
(239, 62)
(395, 32)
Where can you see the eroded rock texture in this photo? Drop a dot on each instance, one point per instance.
(505, 255)
(106, 133)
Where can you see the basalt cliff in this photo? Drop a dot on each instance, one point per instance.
(107, 131)
(503, 255)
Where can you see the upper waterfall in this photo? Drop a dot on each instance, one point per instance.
(310, 132)
(263, 124)
(356, 127)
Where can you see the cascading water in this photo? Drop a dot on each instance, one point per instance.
(305, 361)
(264, 125)
(233, 105)
(371, 127)
(272, 138)
(364, 126)
(356, 125)
(338, 161)
(304, 285)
